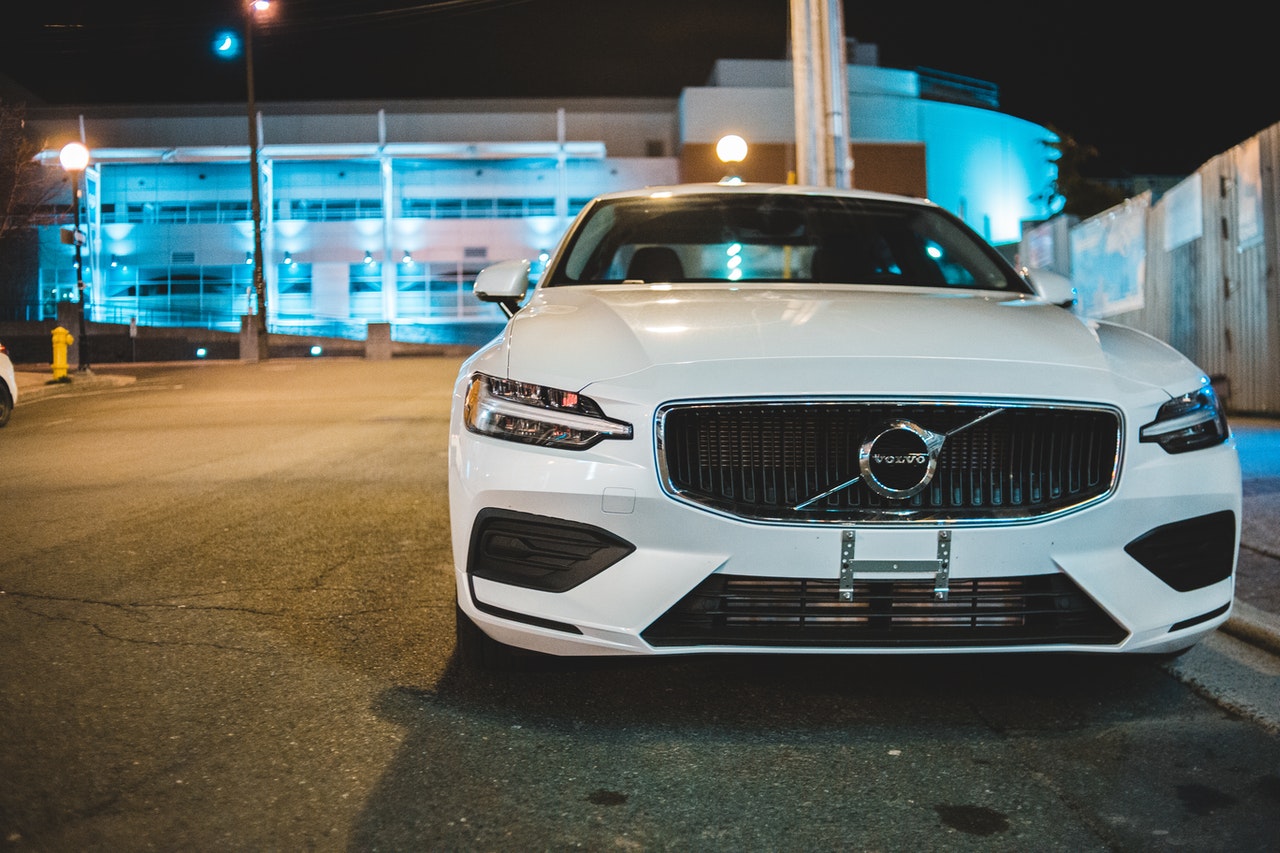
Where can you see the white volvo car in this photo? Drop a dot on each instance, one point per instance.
(748, 418)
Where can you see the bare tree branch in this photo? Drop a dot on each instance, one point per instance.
(26, 188)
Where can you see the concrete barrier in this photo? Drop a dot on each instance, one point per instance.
(377, 345)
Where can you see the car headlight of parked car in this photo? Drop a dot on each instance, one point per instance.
(535, 414)
(1190, 422)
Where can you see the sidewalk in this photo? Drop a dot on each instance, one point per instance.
(1255, 617)
(33, 384)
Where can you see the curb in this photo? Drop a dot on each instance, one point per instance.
(1254, 626)
(33, 386)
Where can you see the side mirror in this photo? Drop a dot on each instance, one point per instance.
(1051, 287)
(505, 283)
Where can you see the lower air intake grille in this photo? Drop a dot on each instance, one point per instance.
(780, 612)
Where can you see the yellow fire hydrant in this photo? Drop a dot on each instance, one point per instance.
(61, 340)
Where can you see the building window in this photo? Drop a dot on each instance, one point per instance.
(450, 292)
(179, 294)
(366, 291)
(411, 289)
(294, 288)
(177, 213)
(476, 208)
(330, 209)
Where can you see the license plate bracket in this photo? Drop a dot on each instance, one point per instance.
(851, 566)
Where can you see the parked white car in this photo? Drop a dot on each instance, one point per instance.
(8, 386)
(745, 418)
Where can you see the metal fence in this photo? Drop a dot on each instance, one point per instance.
(1202, 268)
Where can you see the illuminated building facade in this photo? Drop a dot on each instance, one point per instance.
(385, 212)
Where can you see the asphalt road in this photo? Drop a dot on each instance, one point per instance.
(226, 619)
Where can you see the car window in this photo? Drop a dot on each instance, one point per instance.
(742, 237)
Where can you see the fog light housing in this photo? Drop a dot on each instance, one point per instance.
(1189, 554)
(537, 552)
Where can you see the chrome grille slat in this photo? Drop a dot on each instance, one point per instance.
(779, 612)
(760, 460)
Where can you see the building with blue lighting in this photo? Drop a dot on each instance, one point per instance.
(384, 212)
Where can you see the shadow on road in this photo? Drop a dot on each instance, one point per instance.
(650, 753)
(765, 693)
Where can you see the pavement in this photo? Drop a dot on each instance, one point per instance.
(1255, 616)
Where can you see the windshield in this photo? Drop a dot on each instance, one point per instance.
(762, 237)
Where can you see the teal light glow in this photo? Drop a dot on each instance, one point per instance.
(226, 45)
(735, 261)
(316, 350)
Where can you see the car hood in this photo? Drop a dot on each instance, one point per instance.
(812, 339)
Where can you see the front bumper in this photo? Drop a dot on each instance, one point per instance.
(664, 550)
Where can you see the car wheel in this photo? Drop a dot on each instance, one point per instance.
(478, 650)
(6, 404)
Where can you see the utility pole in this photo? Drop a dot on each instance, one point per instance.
(820, 76)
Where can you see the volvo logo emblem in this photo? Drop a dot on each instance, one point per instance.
(900, 459)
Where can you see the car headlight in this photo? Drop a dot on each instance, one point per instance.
(1190, 422)
(536, 414)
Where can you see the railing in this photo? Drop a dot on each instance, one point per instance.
(476, 208)
(215, 296)
(955, 89)
(483, 208)
(319, 210)
(165, 317)
(180, 213)
(329, 210)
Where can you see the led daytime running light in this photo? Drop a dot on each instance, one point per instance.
(1190, 422)
(534, 414)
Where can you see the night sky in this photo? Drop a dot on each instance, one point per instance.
(1153, 92)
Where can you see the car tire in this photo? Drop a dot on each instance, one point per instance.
(478, 650)
(6, 404)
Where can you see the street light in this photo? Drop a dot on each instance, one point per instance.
(74, 158)
(731, 149)
(252, 9)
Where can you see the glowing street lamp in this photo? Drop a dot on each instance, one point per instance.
(731, 149)
(74, 158)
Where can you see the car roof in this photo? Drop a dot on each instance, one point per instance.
(742, 187)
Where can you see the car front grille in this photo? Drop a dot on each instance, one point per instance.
(768, 461)
(728, 610)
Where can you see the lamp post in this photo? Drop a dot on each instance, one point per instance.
(74, 158)
(252, 9)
